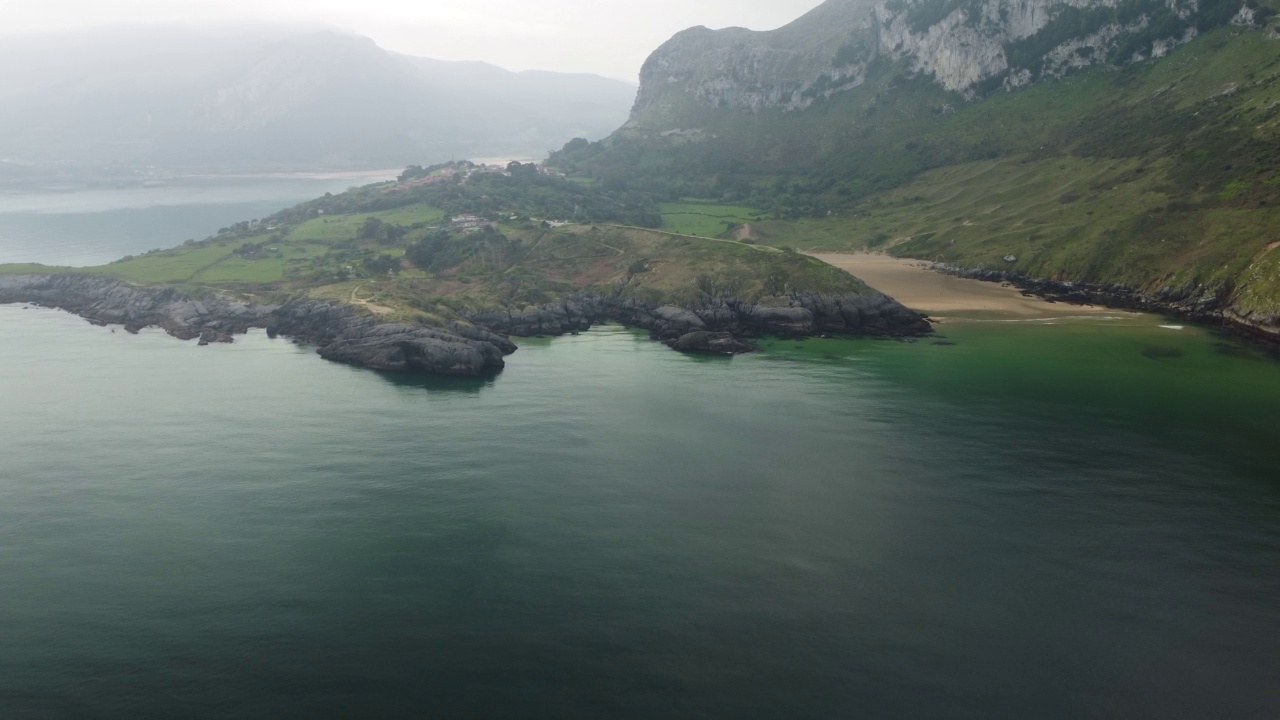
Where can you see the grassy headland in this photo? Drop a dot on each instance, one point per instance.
(468, 241)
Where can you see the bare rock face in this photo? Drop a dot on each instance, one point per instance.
(799, 314)
(103, 301)
(343, 335)
(414, 351)
(832, 48)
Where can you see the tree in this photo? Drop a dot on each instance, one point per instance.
(370, 230)
(413, 172)
(519, 169)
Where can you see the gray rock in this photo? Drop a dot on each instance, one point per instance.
(340, 332)
(831, 50)
(800, 314)
(703, 341)
(416, 352)
(345, 334)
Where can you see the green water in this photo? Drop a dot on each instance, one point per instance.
(1173, 381)
(1049, 521)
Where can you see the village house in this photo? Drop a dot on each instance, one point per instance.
(469, 223)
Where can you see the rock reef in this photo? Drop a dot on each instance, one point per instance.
(340, 332)
(721, 343)
(798, 314)
(346, 334)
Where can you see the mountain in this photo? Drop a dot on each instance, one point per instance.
(264, 98)
(967, 46)
(1132, 145)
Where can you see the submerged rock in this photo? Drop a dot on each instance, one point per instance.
(703, 341)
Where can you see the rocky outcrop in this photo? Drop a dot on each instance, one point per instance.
(343, 333)
(799, 314)
(103, 301)
(340, 332)
(709, 342)
(407, 348)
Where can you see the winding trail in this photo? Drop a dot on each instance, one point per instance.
(368, 304)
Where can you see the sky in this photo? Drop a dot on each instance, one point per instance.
(608, 37)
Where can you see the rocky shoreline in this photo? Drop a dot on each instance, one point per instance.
(340, 332)
(1189, 303)
(343, 333)
(802, 315)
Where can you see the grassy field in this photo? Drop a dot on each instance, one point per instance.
(706, 219)
(27, 269)
(308, 254)
(341, 227)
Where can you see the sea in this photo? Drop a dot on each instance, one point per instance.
(96, 224)
(1047, 519)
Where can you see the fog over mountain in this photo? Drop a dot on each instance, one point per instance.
(272, 98)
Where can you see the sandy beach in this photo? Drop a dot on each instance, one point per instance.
(943, 297)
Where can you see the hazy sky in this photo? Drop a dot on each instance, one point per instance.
(610, 37)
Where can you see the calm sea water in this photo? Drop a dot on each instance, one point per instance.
(94, 227)
(1040, 521)
(1072, 520)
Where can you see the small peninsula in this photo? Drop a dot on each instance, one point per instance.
(435, 272)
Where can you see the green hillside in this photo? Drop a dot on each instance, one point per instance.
(402, 251)
(1162, 173)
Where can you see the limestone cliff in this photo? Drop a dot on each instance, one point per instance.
(970, 47)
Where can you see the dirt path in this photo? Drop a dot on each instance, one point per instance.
(375, 309)
(940, 296)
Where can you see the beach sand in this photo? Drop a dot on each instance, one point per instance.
(943, 297)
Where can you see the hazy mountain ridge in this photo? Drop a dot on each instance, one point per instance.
(314, 100)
